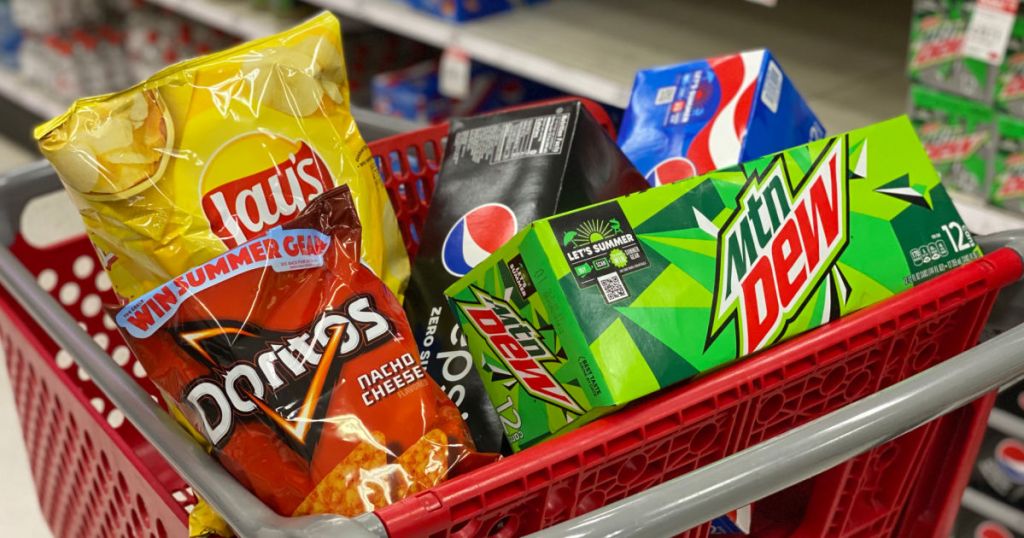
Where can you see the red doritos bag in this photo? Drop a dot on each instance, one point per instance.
(297, 364)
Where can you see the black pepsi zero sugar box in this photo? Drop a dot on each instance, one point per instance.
(500, 172)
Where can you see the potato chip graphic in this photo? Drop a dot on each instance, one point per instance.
(115, 149)
(211, 152)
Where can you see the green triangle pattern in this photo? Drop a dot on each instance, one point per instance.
(698, 264)
(622, 364)
(673, 287)
(666, 325)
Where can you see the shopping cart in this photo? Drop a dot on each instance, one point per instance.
(835, 433)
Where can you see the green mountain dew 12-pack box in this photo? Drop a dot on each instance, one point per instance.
(1008, 179)
(937, 34)
(588, 310)
(958, 135)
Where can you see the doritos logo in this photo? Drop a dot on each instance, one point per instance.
(778, 246)
(520, 348)
(283, 377)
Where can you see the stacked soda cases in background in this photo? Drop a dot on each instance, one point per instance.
(966, 67)
(967, 103)
(466, 10)
(83, 47)
(370, 51)
(415, 93)
(993, 505)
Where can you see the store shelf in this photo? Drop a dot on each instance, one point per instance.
(233, 17)
(593, 48)
(18, 91)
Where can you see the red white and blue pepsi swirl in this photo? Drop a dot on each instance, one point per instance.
(1010, 458)
(687, 119)
(476, 235)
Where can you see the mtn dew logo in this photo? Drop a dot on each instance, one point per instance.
(940, 40)
(950, 143)
(519, 347)
(1011, 182)
(778, 245)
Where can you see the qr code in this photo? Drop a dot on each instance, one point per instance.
(665, 95)
(772, 87)
(612, 287)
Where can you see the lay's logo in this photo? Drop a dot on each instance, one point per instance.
(242, 207)
(520, 348)
(778, 246)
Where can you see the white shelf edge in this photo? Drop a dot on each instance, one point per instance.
(236, 18)
(28, 96)
(982, 218)
(396, 17)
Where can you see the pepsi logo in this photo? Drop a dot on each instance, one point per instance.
(991, 529)
(1010, 457)
(476, 236)
(671, 170)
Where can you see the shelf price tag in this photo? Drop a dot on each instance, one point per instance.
(988, 33)
(454, 73)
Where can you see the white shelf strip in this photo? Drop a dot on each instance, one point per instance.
(28, 96)
(593, 48)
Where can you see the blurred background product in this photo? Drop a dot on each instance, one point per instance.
(414, 93)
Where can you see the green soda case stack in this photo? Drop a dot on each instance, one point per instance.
(1008, 180)
(1009, 98)
(585, 311)
(937, 31)
(958, 135)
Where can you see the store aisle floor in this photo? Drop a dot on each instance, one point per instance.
(19, 509)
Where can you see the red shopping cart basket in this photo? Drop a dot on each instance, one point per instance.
(96, 476)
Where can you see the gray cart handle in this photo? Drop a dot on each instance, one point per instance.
(681, 503)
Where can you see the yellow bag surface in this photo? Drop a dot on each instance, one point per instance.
(211, 152)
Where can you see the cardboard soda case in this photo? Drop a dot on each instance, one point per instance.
(1009, 97)
(999, 470)
(981, 516)
(687, 119)
(937, 34)
(1008, 173)
(499, 173)
(734, 523)
(585, 311)
(959, 137)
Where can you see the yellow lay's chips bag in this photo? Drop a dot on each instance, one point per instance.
(212, 152)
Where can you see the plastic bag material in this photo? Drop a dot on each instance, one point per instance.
(204, 522)
(296, 363)
(212, 152)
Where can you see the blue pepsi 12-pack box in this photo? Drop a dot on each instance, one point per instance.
(688, 119)
(464, 10)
